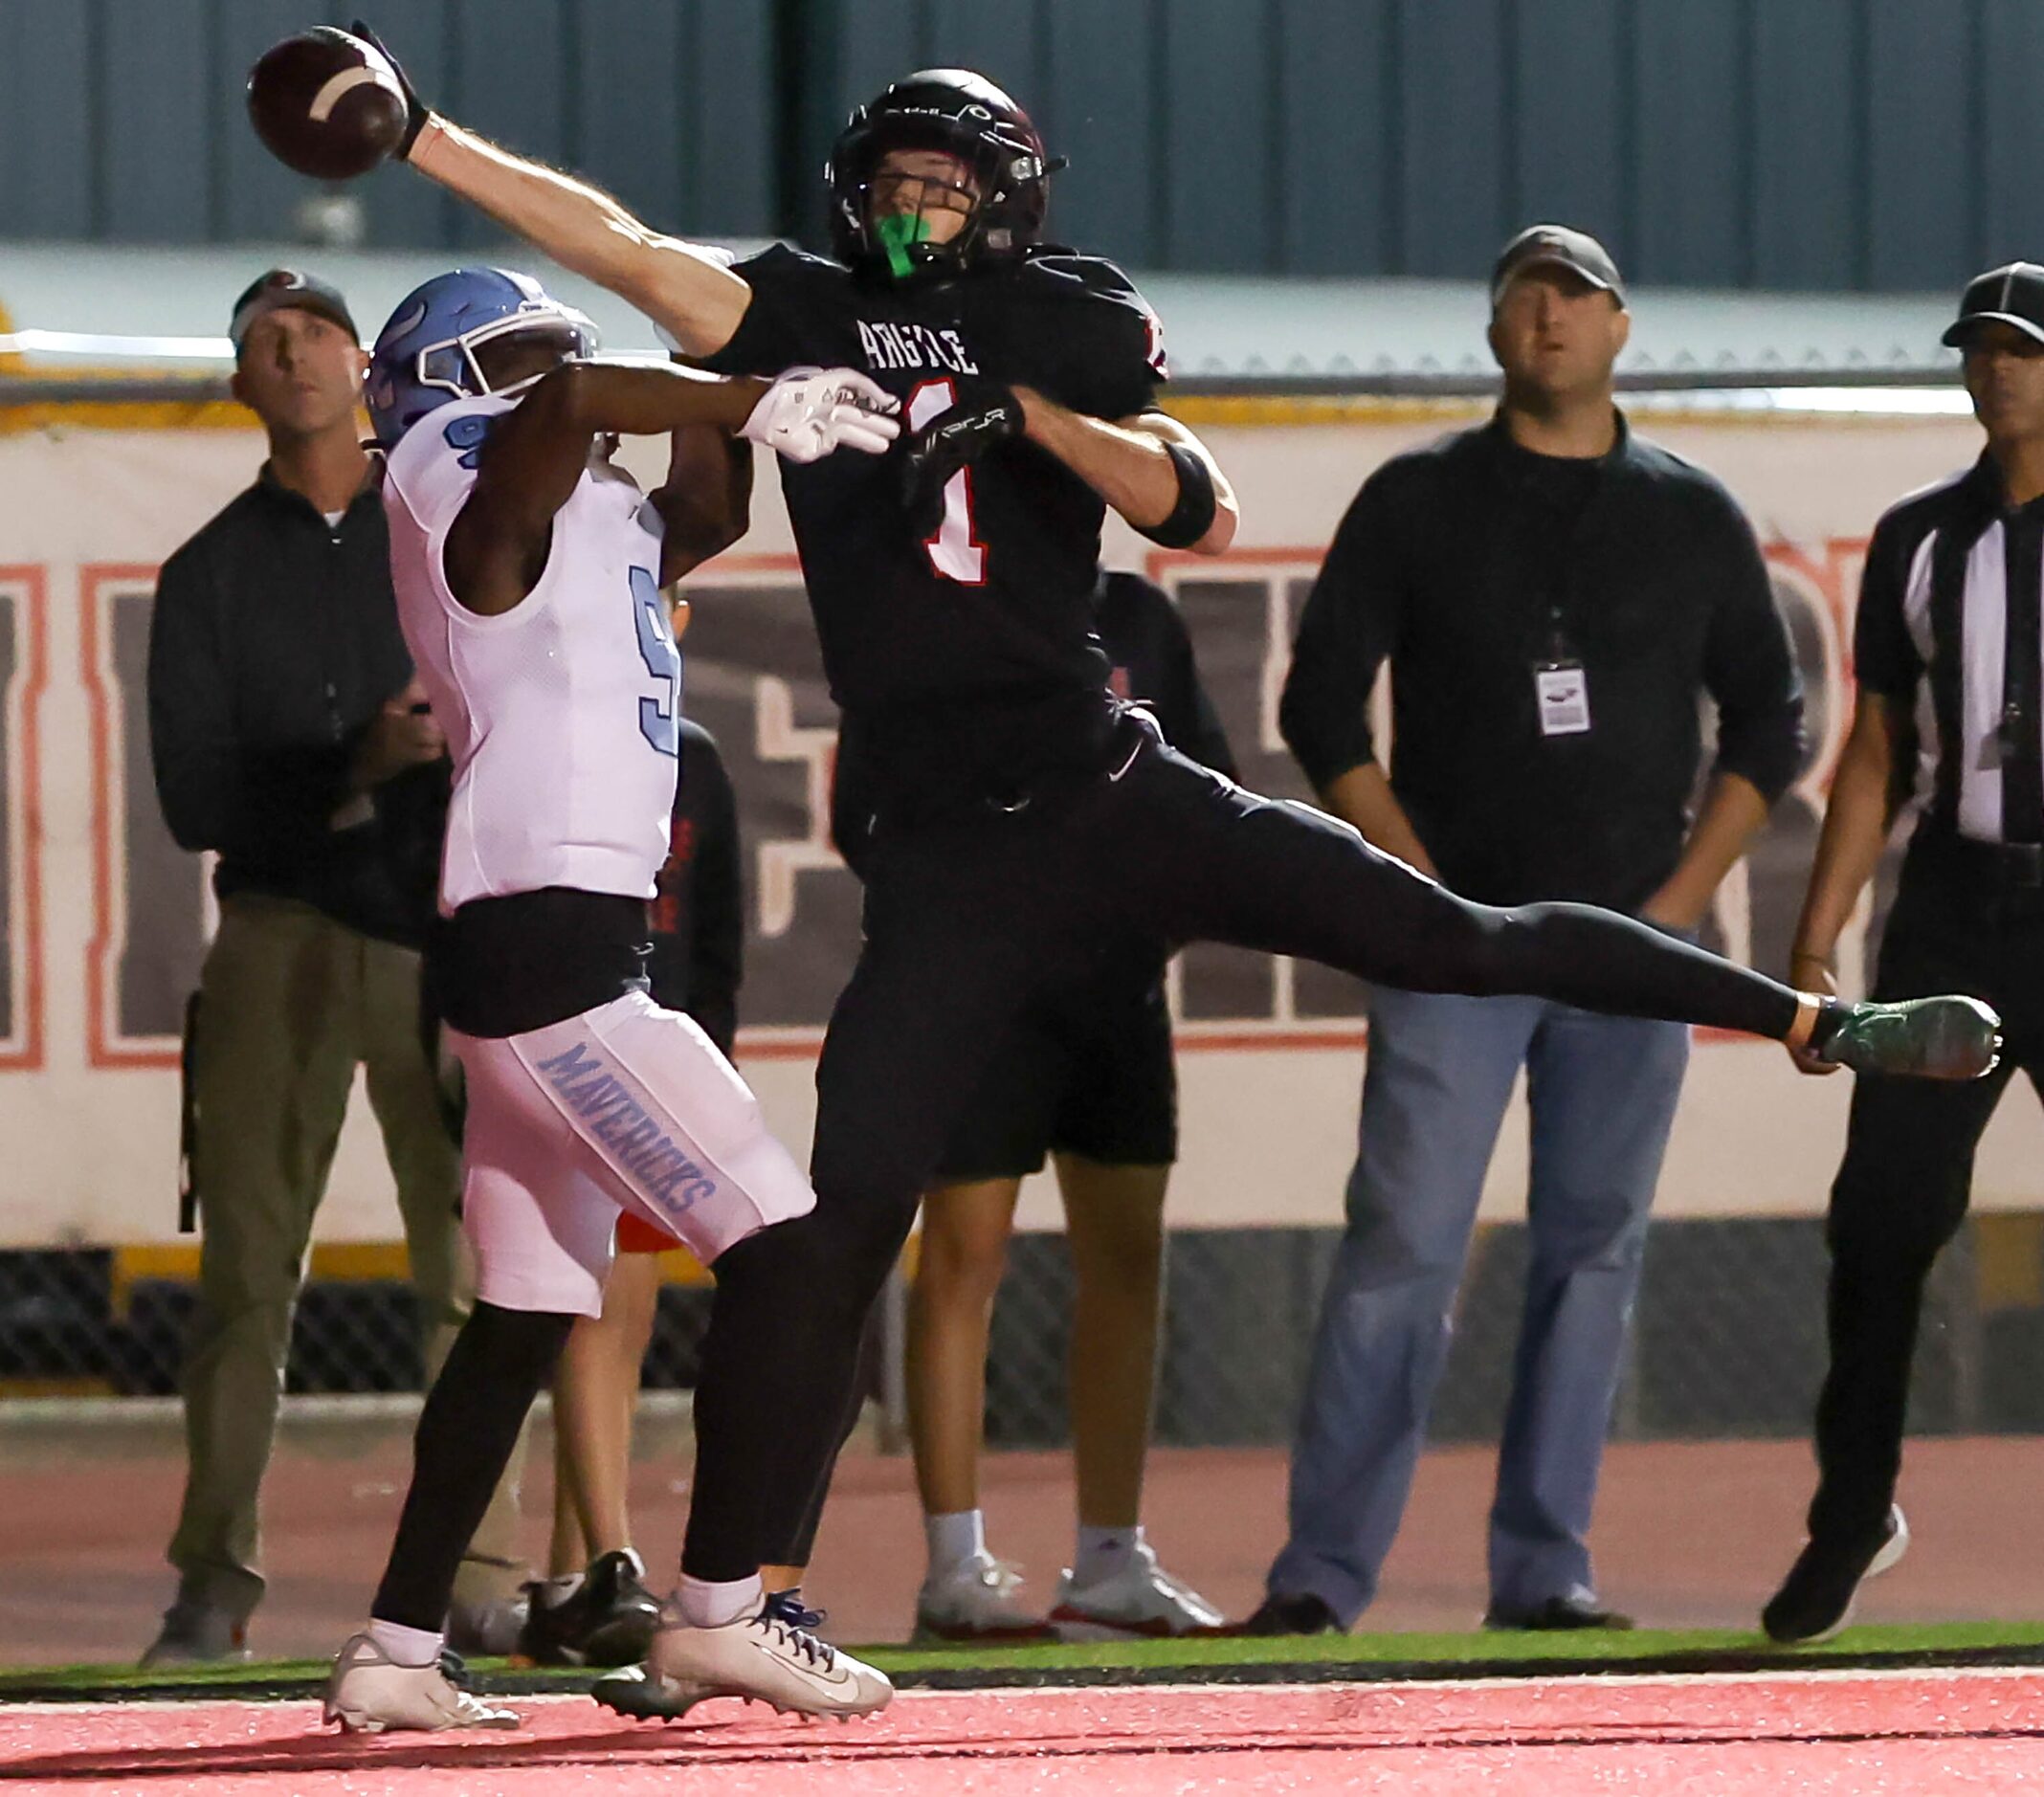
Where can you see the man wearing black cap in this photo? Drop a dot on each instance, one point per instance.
(289, 740)
(1949, 611)
(1553, 596)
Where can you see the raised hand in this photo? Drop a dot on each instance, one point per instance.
(808, 412)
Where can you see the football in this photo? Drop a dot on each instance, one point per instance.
(326, 105)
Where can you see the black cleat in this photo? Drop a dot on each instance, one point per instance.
(1930, 1038)
(1817, 1598)
(1283, 1613)
(1573, 1611)
(608, 1620)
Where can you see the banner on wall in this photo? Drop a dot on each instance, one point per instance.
(106, 921)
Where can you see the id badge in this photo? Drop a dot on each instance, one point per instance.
(1562, 691)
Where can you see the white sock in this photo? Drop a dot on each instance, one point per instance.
(558, 1589)
(710, 1603)
(406, 1646)
(954, 1539)
(1104, 1552)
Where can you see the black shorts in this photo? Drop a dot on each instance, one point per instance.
(1085, 1068)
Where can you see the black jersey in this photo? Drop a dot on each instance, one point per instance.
(965, 662)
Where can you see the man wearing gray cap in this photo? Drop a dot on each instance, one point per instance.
(1948, 634)
(289, 739)
(1552, 595)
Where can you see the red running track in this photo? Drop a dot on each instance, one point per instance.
(1920, 1734)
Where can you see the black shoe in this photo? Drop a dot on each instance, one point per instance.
(1573, 1611)
(1817, 1598)
(1283, 1613)
(608, 1620)
(1932, 1039)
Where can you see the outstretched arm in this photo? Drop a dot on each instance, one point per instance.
(534, 454)
(687, 289)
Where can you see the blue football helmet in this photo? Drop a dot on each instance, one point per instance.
(426, 355)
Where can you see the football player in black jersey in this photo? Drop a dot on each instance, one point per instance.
(1021, 813)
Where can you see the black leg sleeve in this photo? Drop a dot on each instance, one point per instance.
(932, 994)
(466, 1432)
(1285, 878)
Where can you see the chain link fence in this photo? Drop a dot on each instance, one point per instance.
(1728, 1337)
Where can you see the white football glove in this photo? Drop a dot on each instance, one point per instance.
(808, 412)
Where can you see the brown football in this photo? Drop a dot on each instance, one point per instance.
(326, 103)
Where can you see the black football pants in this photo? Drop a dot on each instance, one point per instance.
(1907, 1173)
(962, 920)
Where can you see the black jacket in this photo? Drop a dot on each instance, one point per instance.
(698, 915)
(274, 643)
(1469, 563)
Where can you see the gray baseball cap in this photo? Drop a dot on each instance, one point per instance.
(283, 287)
(1556, 246)
(2013, 295)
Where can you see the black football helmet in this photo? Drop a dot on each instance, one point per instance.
(966, 115)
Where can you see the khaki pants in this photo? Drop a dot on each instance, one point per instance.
(290, 1003)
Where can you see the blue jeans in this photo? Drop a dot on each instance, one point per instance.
(1602, 1093)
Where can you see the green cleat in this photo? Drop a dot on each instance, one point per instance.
(1928, 1038)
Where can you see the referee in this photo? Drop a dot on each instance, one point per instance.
(1949, 609)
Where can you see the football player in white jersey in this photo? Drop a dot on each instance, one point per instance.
(529, 571)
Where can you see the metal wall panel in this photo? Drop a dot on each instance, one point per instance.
(1692, 151)
(1337, 129)
(510, 80)
(1789, 144)
(156, 78)
(1102, 84)
(1454, 101)
(1923, 185)
(46, 122)
(633, 90)
(2011, 134)
(254, 196)
(1219, 188)
(730, 142)
(1809, 187)
(406, 210)
(1570, 155)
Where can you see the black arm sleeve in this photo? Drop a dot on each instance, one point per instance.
(1884, 656)
(716, 940)
(1749, 664)
(1348, 626)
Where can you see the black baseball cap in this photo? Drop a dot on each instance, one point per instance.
(1556, 246)
(2013, 295)
(283, 287)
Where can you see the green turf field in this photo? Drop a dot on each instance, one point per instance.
(1363, 1659)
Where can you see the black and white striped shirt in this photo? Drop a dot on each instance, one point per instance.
(1950, 621)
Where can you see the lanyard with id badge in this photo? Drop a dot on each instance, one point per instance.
(1560, 687)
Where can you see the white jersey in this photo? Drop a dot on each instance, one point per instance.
(562, 714)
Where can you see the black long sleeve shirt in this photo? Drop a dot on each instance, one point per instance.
(273, 645)
(698, 915)
(1469, 564)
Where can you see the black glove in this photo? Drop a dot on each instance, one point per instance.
(416, 110)
(985, 414)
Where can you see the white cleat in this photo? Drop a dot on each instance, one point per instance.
(369, 1693)
(767, 1657)
(1141, 1599)
(977, 1600)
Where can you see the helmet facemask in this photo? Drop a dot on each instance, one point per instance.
(964, 116)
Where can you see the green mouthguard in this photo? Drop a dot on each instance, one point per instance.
(895, 232)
